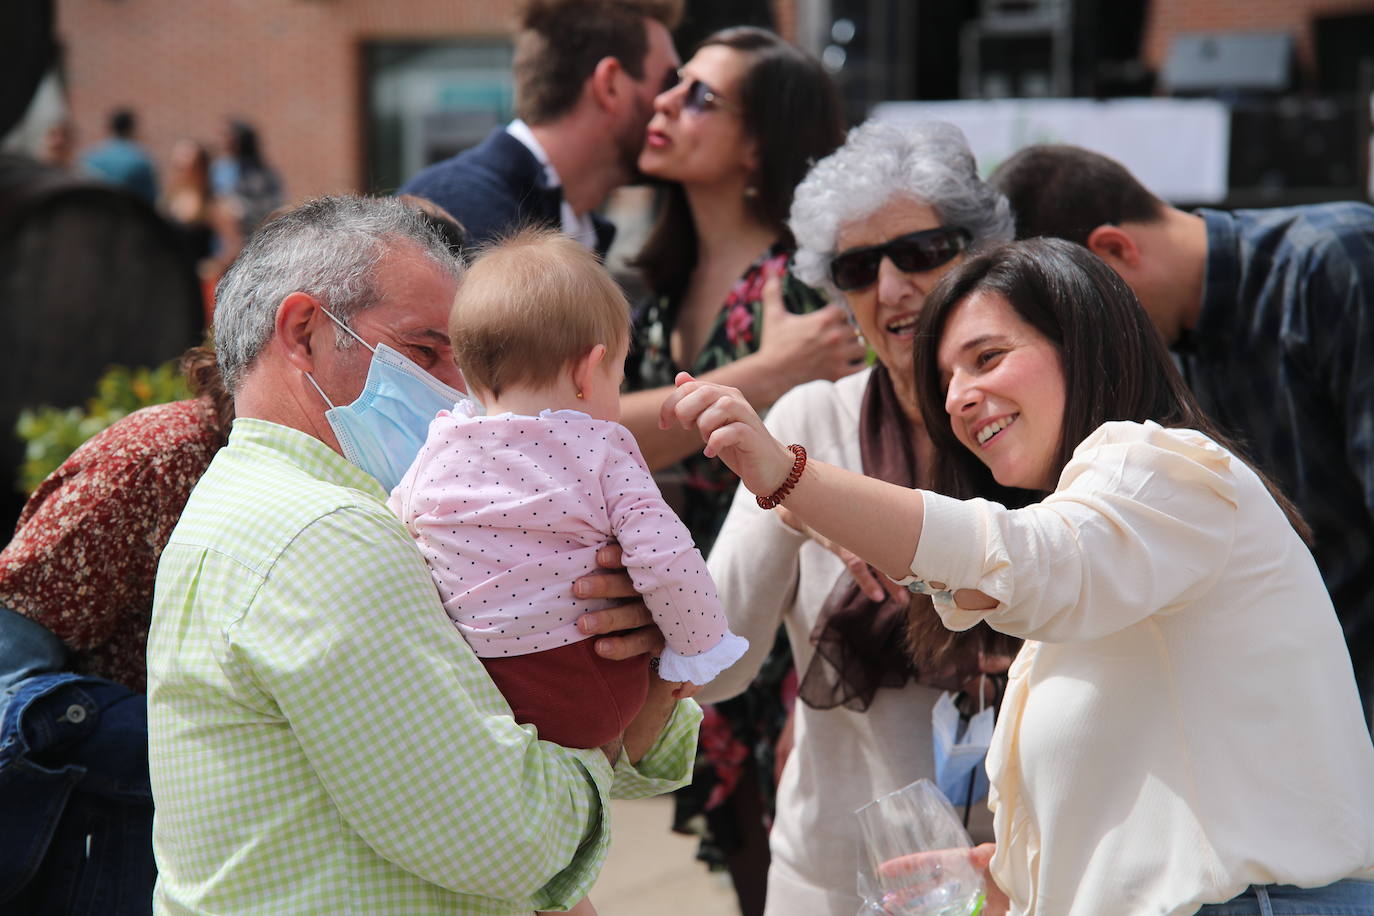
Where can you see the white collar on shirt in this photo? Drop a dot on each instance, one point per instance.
(581, 227)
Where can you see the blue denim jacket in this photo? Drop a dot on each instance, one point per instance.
(77, 834)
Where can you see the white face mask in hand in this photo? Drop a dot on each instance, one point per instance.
(382, 431)
(961, 749)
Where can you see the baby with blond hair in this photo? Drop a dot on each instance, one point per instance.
(510, 507)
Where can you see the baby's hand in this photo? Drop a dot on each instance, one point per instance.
(731, 429)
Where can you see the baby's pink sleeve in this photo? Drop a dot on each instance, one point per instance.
(667, 569)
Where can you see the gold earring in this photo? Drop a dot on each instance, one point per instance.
(579, 395)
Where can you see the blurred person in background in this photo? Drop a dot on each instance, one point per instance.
(76, 598)
(586, 74)
(1270, 314)
(877, 223)
(748, 116)
(121, 161)
(65, 244)
(58, 147)
(243, 179)
(208, 230)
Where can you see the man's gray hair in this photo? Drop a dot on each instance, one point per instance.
(929, 162)
(328, 248)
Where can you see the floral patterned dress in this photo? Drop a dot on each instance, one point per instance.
(748, 725)
(708, 483)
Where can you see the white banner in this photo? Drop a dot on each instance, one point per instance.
(1176, 147)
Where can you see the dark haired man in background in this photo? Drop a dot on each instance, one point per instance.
(586, 74)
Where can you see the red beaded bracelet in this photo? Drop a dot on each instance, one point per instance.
(768, 502)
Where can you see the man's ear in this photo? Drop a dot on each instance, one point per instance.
(606, 84)
(1116, 246)
(586, 366)
(298, 318)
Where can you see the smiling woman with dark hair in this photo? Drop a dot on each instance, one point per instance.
(1175, 623)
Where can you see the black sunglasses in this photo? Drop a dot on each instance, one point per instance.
(910, 253)
(701, 97)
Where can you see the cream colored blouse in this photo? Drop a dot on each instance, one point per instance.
(768, 574)
(1182, 721)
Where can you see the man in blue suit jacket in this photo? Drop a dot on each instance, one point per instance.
(586, 74)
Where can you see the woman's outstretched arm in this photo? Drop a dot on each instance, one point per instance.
(879, 521)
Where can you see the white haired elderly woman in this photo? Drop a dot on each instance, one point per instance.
(878, 223)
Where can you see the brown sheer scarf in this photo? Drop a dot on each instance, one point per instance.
(862, 644)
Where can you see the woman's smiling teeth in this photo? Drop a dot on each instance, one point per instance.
(995, 427)
(903, 325)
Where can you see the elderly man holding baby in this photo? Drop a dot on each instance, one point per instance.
(321, 737)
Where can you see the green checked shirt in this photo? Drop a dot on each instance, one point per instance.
(322, 740)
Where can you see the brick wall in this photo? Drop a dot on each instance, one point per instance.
(291, 67)
(1167, 18)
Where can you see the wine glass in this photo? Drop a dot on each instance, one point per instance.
(915, 856)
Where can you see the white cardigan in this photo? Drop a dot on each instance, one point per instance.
(1183, 720)
(768, 574)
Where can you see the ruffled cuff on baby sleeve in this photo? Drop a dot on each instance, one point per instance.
(703, 668)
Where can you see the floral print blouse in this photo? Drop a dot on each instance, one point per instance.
(709, 484)
(85, 553)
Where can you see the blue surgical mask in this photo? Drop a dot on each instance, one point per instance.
(382, 431)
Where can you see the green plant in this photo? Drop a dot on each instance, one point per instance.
(51, 434)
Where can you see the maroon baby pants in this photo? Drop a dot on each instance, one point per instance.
(573, 696)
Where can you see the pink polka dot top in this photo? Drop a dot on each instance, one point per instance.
(508, 510)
